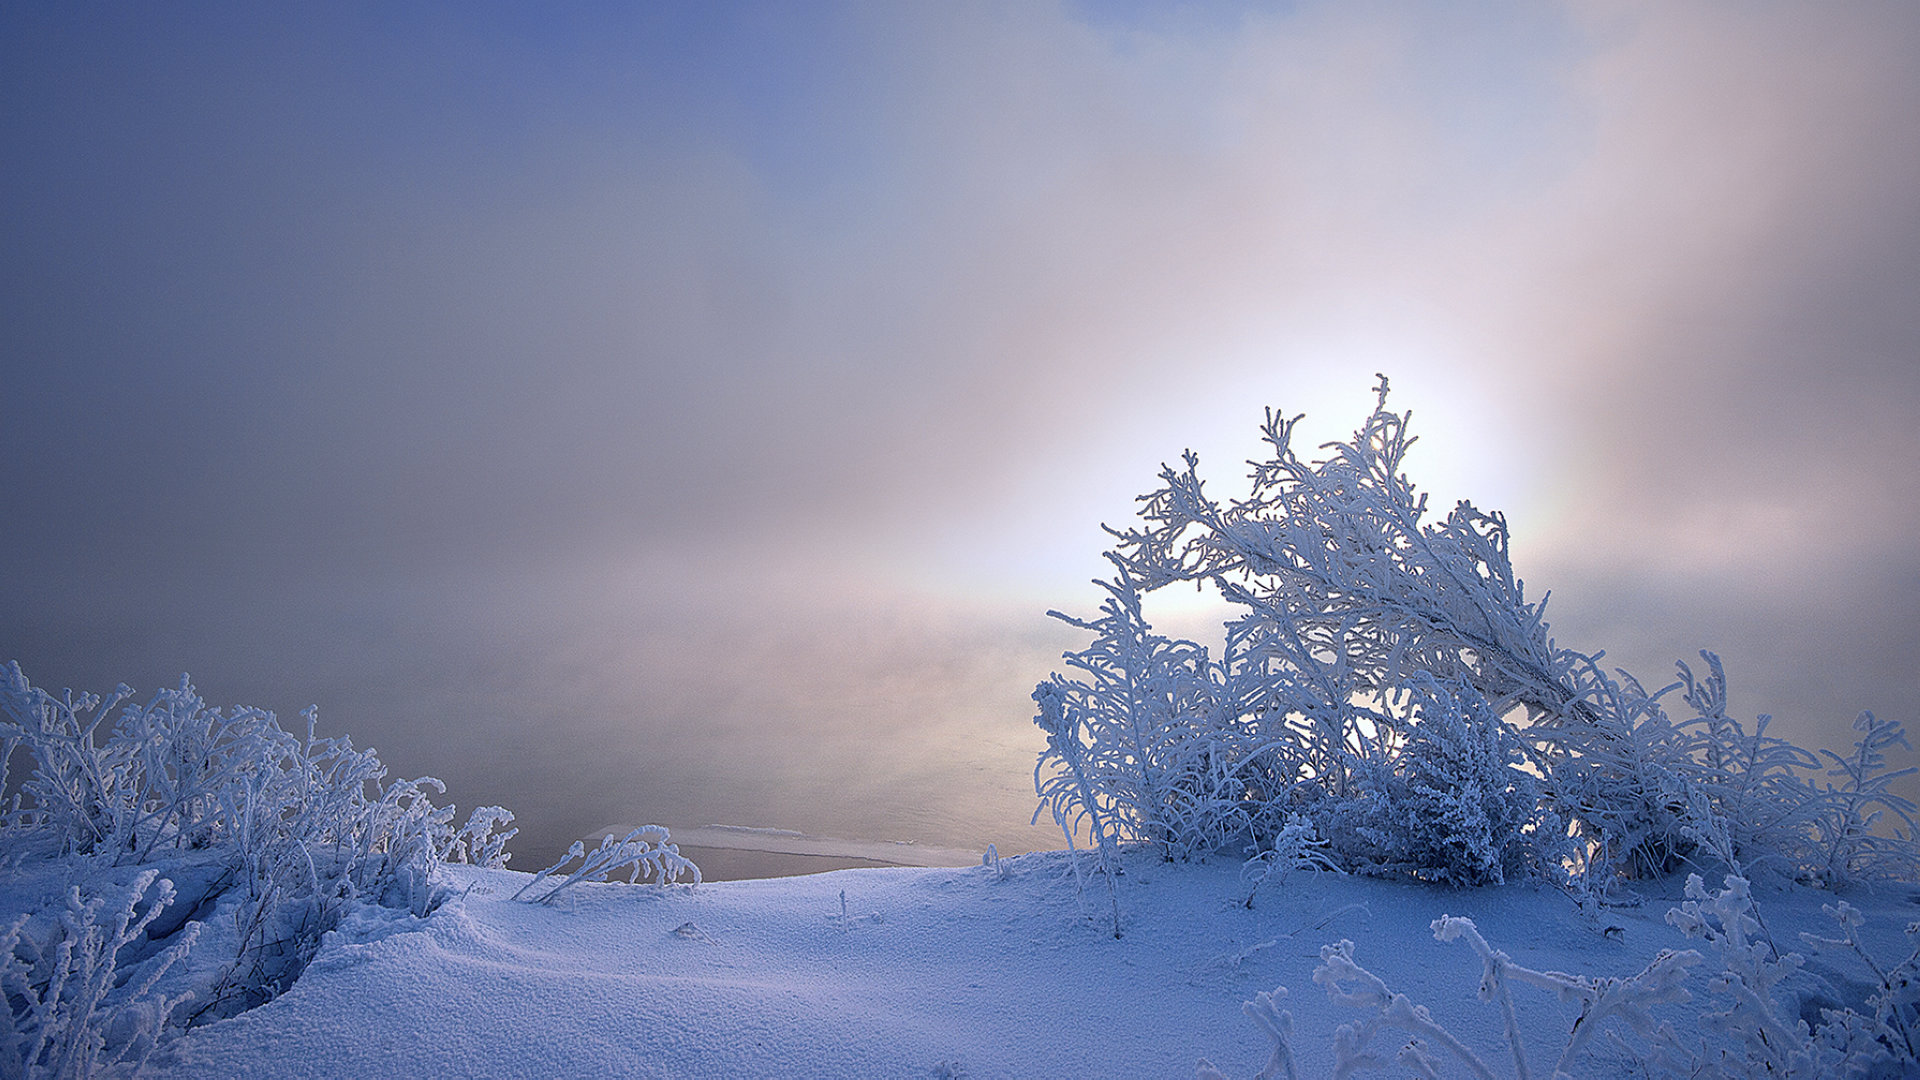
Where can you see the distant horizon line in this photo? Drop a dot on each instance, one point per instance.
(765, 839)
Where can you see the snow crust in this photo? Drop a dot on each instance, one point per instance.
(1004, 971)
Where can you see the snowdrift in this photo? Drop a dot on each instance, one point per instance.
(979, 972)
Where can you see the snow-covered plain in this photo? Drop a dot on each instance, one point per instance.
(915, 972)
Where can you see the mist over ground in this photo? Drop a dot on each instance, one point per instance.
(687, 413)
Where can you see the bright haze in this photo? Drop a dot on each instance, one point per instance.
(687, 412)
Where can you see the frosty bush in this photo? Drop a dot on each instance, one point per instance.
(1265, 1011)
(647, 852)
(1426, 1040)
(1895, 999)
(1296, 848)
(283, 835)
(1384, 676)
(68, 1011)
(1144, 719)
(1744, 1033)
(1452, 806)
(1074, 794)
(1764, 1041)
(1845, 846)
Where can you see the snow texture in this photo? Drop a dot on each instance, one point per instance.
(984, 974)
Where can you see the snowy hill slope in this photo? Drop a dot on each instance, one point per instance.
(931, 972)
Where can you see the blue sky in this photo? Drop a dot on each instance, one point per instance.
(697, 405)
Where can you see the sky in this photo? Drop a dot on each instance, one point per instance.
(687, 412)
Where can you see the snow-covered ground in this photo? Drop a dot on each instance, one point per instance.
(915, 972)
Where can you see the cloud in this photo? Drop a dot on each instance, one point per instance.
(1723, 276)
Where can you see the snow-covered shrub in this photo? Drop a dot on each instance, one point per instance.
(1753, 809)
(482, 841)
(1645, 791)
(646, 853)
(315, 830)
(304, 827)
(70, 1008)
(1349, 606)
(1746, 1033)
(1277, 1024)
(1845, 846)
(1896, 995)
(1384, 675)
(1079, 804)
(1346, 982)
(76, 793)
(1622, 772)
(184, 755)
(1625, 1001)
(1600, 999)
(1759, 1039)
(1346, 588)
(1452, 805)
(1298, 846)
(1149, 749)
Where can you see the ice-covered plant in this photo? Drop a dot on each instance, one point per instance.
(1335, 561)
(1745, 1035)
(1383, 673)
(1277, 1024)
(1348, 600)
(1079, 804)
(1298, 846)
(1753, 808)
(77, 791)
(1847, 847)
(315, 831)
(1452, 805)
(183, 755)
(1896, 996)
(304, 827)
(1627, 1000)
(1620, 771)
(1761, 1041)
(482, 841)
(71, 1009)
(647, 852)
(1347, 983)
(1150, 750)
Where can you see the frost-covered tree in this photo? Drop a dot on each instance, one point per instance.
(1385, 676)
(1349, 604)
(1345, 581)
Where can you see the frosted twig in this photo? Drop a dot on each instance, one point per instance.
(646, 852)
